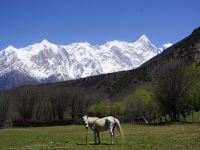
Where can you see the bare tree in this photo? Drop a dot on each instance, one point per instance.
(25, 101)
(172, 79)
(76, 104)
(60, 99)
(4, 105)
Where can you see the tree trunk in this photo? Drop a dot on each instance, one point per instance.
(73, 111)
(170, 114)
(165, 118)
(174, 116)
(160, 119)
(60, 116)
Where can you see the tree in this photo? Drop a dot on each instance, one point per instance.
(141, 104)
(194, 94)
(59, 99)
(43, 110)
(172, 79)
(25, 102)
(100, 109)
(118, 109)
(4, 105)
(73, 104)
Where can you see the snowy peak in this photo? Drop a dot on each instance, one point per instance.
(144, 38)
(165, 46)
(143, 41)
(38, 47)
(9, 50)
(45, 42)
(48, 62)
(10, 47)
(115, 43)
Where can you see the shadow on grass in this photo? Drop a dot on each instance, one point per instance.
(82, 144)
(106, 144)
(95, 144)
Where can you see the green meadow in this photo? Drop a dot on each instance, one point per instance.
(141, 137)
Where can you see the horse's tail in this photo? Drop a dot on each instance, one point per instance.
(117, 123)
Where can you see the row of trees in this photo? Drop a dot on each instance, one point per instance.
(105, 108)
(173, 92)
(41, 104)
(138, 106)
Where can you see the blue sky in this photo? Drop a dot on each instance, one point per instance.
(23, 22)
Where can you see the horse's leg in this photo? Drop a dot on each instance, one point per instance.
(98, 137)
(114, 126)
(111, 133)
(95, 136)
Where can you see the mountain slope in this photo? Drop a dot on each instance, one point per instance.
(187, 49)
(119, 84)
(46, 62)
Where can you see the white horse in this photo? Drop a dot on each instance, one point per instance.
(99, 125)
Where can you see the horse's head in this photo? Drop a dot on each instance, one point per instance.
(85, 121)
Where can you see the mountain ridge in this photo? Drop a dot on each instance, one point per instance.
(47, 62)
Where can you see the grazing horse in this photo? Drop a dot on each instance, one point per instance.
(99, 125)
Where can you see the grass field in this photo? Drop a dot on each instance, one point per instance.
(167, 137)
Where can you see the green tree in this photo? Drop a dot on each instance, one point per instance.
(118, 108)
(100, 109)
(142, 103)
(193, 93)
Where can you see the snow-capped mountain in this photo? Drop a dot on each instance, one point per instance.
(165, 46)
(48, 62)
